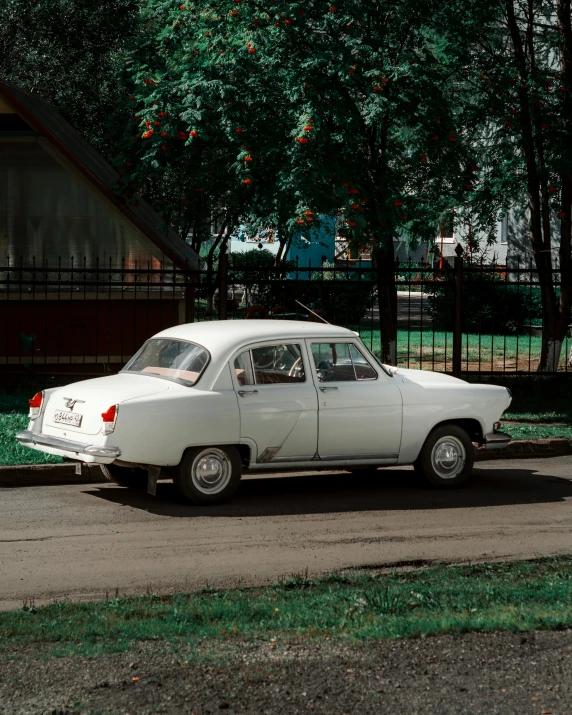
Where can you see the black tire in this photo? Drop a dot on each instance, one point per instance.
(133, 477)
(447, 457)
(221, 472)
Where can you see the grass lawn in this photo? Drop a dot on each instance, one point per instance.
(528, 430)
(515, 596)
(13, 418)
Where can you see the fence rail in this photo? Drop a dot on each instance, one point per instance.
(464, 318)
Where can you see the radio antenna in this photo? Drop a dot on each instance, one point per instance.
(311, 311)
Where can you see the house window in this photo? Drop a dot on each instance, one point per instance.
(503, 230)
(447, 232)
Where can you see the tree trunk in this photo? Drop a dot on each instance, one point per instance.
(554, 311)
(553, 325)
(565, 31)
(212, 284)
(387, 300)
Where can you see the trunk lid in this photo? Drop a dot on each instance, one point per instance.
(90, 398)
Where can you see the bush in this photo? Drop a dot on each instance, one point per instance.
(345, 297)
(490, 303)
(257, 273)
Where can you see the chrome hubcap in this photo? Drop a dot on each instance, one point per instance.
(448, 457)
(211, 471)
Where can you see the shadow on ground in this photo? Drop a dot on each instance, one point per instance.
(324, 493)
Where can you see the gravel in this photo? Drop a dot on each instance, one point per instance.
(464, 675)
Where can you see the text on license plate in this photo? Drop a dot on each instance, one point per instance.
(67, 418)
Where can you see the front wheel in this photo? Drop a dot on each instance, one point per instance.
(447, 457)
(208, 475)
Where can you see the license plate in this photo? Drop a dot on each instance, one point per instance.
(68, 418)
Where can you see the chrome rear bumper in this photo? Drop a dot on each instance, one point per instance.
(497, 440)
(31, 439)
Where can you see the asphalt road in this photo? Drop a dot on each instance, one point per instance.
(81, 541)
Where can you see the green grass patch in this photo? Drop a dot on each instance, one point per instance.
(538, 431)
(430, 349)
(13, 419)
(515, 596)
(563, 415)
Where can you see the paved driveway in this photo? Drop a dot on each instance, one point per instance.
(81, 541)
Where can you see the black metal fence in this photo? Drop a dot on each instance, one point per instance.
(76, 319)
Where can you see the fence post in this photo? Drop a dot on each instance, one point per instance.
(458, 324)
(189, 299)
(222, 285)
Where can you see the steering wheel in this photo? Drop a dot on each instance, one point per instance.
(296, 368)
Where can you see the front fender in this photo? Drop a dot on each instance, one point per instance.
(426, 407)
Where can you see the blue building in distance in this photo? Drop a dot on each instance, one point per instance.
(314, 246)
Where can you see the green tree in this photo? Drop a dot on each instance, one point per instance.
(514, 84)
(70, 52)
(287, 110)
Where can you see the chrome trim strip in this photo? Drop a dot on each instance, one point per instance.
(354, 457)
(497, 440)
(316, 458)
(67, 445)
(317, 465)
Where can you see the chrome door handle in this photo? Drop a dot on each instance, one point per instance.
(323, 389)
(242, 393)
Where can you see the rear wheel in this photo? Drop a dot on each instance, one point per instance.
(447, 457)
(208, 475)
(134, 477)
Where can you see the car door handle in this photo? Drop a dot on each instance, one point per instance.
(323, 389)
(242, 393)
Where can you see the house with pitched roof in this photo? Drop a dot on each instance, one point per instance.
(86, 275)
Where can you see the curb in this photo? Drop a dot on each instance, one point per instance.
(30, 475)
(526, 449)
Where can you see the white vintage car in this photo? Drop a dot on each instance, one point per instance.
(203, 402)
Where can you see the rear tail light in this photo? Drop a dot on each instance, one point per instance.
(35, 405)
(109, 418)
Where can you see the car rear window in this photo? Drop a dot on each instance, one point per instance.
(177, 360)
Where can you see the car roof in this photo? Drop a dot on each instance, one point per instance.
(232, 334)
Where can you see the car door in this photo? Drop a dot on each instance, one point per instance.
(277, 400)
(359, 406)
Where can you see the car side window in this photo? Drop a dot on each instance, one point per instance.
(333, 362)
(276, 364)
(341, 362)
(364, 371)
(243, 369)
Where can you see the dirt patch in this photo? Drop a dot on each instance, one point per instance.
(478, 673)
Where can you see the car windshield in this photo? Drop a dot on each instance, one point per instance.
(177, 360)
